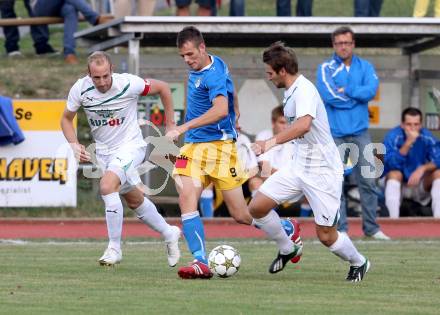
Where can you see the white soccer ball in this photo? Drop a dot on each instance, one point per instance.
(224, 261)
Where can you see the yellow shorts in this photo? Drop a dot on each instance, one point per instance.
(214, 161)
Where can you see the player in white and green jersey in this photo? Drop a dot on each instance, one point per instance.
(110, 103)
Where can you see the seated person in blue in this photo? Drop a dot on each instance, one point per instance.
(412, 158)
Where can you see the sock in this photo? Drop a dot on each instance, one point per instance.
(287, 227)
(392, 197)
(206, 203)
(195, 235)
(147, 213)
(114, 213)
(286, 224)
(435, 193)
(254, 223)
(305, 210)
(271, 224)
(344, 248)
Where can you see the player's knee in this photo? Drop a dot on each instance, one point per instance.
(326, 236)
(134, 203)
(256, 213)
(325, 239)
(107, 187)
(397, 175)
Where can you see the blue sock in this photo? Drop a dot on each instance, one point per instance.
(288, 227)
(305, 210)
(195, 235)
(206, 207)
(206, 203)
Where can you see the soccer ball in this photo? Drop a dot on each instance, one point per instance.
(224, 261)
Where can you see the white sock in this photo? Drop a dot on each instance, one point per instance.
(435, 193)
(392, 197)
(271, 224)
(207, 193)
(344, 248)
(147, 213)
(114, 214)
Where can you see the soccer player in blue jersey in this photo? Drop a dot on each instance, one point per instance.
(209, 153)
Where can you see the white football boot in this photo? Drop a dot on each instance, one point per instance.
(173, 251)
(111, 257)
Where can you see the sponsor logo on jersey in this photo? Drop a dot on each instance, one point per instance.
(104, 113)
(112, 122)
(197, 83)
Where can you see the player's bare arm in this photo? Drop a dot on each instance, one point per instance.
(163, 89)
(299, 128)
(69, 133)
(218, 111)
(236, 108)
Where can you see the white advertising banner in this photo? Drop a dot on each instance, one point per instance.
(40, 171)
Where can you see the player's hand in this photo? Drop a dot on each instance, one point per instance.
(258, 147)
(237, 117)
(169, 127)
(79, 150)
(416, 177)
(174, 134)
(237, 126)
(411, 135)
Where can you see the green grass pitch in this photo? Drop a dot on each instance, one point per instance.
(64, 278)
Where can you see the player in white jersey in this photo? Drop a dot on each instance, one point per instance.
(110, 103)
(278, 156)
(314, 171)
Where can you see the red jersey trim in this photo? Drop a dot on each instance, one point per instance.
(147, 87)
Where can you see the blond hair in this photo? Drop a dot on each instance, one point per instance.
(98, 58)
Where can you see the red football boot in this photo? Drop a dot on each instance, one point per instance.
(196, 270)
(296, 239)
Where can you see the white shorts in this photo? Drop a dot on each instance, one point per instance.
(323, 191)
(124, 163)
(418, 194)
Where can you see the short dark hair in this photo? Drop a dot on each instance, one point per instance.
(342, 30)
(189, 33)
(279, 56)
(411, 111)
(277, 112)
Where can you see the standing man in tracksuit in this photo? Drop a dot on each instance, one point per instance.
(346, 84)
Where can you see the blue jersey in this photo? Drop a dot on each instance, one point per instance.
(203, 87)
